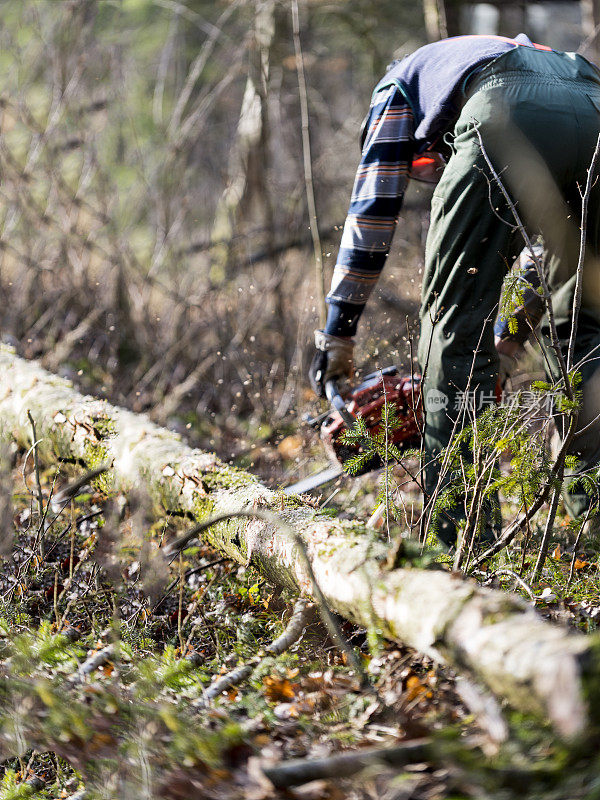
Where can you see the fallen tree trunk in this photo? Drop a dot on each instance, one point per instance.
(538, 667)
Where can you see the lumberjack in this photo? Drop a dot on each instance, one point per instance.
(452, 105)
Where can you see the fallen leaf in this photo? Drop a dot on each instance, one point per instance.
(580, 564)
(414, 687)
(277, 688)
(547, 596)
(557, 553)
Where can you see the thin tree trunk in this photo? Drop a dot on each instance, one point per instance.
(248, 165)
(540, 668)
(435, 19)
(452, 10)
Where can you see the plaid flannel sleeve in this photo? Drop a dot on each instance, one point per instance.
(376, 200)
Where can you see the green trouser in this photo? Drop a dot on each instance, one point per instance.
(538, 116)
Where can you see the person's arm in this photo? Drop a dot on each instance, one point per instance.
(377, 196)
(376, 200)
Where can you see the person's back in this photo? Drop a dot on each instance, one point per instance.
(432, 79)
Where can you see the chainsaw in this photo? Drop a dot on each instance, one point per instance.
(367, 401)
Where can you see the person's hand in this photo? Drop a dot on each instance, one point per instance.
(509, 353)
(333, 359)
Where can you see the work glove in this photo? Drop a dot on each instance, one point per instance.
(334, 359)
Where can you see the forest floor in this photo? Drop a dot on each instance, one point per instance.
(107, 652)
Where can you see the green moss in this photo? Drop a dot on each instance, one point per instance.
(104, 427)
(228, 478)
(202, 507)
(225, 536)
(283, 501)
(96, 454)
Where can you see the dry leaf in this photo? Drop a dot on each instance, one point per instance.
(580, 564)
(547, 596)
(414, 687)
(277, 689)
(557, 553)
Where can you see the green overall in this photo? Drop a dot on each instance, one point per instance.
(538, 116)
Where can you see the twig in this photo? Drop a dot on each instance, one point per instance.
(187, 574)
(543, 552)
(72, 542)
(92, 663)
(36, 464)
(576, 545)
(70, 491)
(180, 606)
(293, 630)
(197, 66)
(429, 506)
(541, 497)
(589, 40)
(510, 574)
(554, 340)
(386, 473)
(228, 681)
(582, 240)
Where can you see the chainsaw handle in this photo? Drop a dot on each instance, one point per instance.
(337, 402)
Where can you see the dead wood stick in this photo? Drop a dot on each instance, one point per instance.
(231, 679)
(299, 771)
(291, 634)
(72, 490)
(92, 663)
(36, 464)
(294, 628)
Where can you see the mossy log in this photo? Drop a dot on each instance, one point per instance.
(538, 667)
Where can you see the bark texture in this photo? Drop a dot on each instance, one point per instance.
(538, 667)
